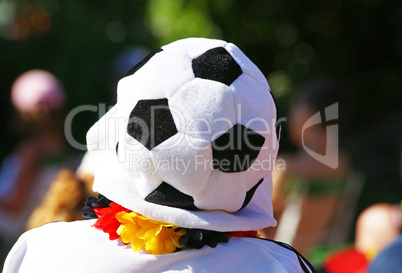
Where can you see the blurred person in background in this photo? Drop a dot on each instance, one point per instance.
(377, 245)
(69, 190)
(26, 173)
(302, 173)
(65, 198)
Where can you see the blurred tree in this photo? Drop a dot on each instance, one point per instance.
(178, 19)
(76, 40)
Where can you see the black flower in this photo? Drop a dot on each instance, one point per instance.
(93, 202)
(197, 238)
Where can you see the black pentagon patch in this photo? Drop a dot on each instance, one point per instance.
(143, 62)
(237, 149)
(151, 122)
(277, 125)
(250, 194)
(278, 131)
(167, 195)
(218, 65)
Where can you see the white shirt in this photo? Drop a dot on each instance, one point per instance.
(79, 247)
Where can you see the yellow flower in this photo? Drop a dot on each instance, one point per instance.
(128, 229)
(155, 237)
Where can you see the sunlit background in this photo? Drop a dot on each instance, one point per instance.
(87, 45)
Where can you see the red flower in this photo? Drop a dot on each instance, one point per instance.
(250, 233)
(107, 221)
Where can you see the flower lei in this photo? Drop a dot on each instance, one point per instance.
(153, 236)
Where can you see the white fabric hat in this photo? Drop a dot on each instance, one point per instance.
(191, 140)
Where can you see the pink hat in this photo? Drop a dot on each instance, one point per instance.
(35, 88)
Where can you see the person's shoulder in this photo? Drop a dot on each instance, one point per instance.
(59, 225)
(55, 232)
(51, 242)
(285, 254)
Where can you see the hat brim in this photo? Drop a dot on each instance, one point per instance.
(115, 182)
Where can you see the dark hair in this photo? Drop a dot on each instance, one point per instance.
(320, 92)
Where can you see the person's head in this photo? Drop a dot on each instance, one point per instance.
(312, 97)
(377, 226)
(38, 97)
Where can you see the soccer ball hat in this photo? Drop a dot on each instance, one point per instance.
(191, 140)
